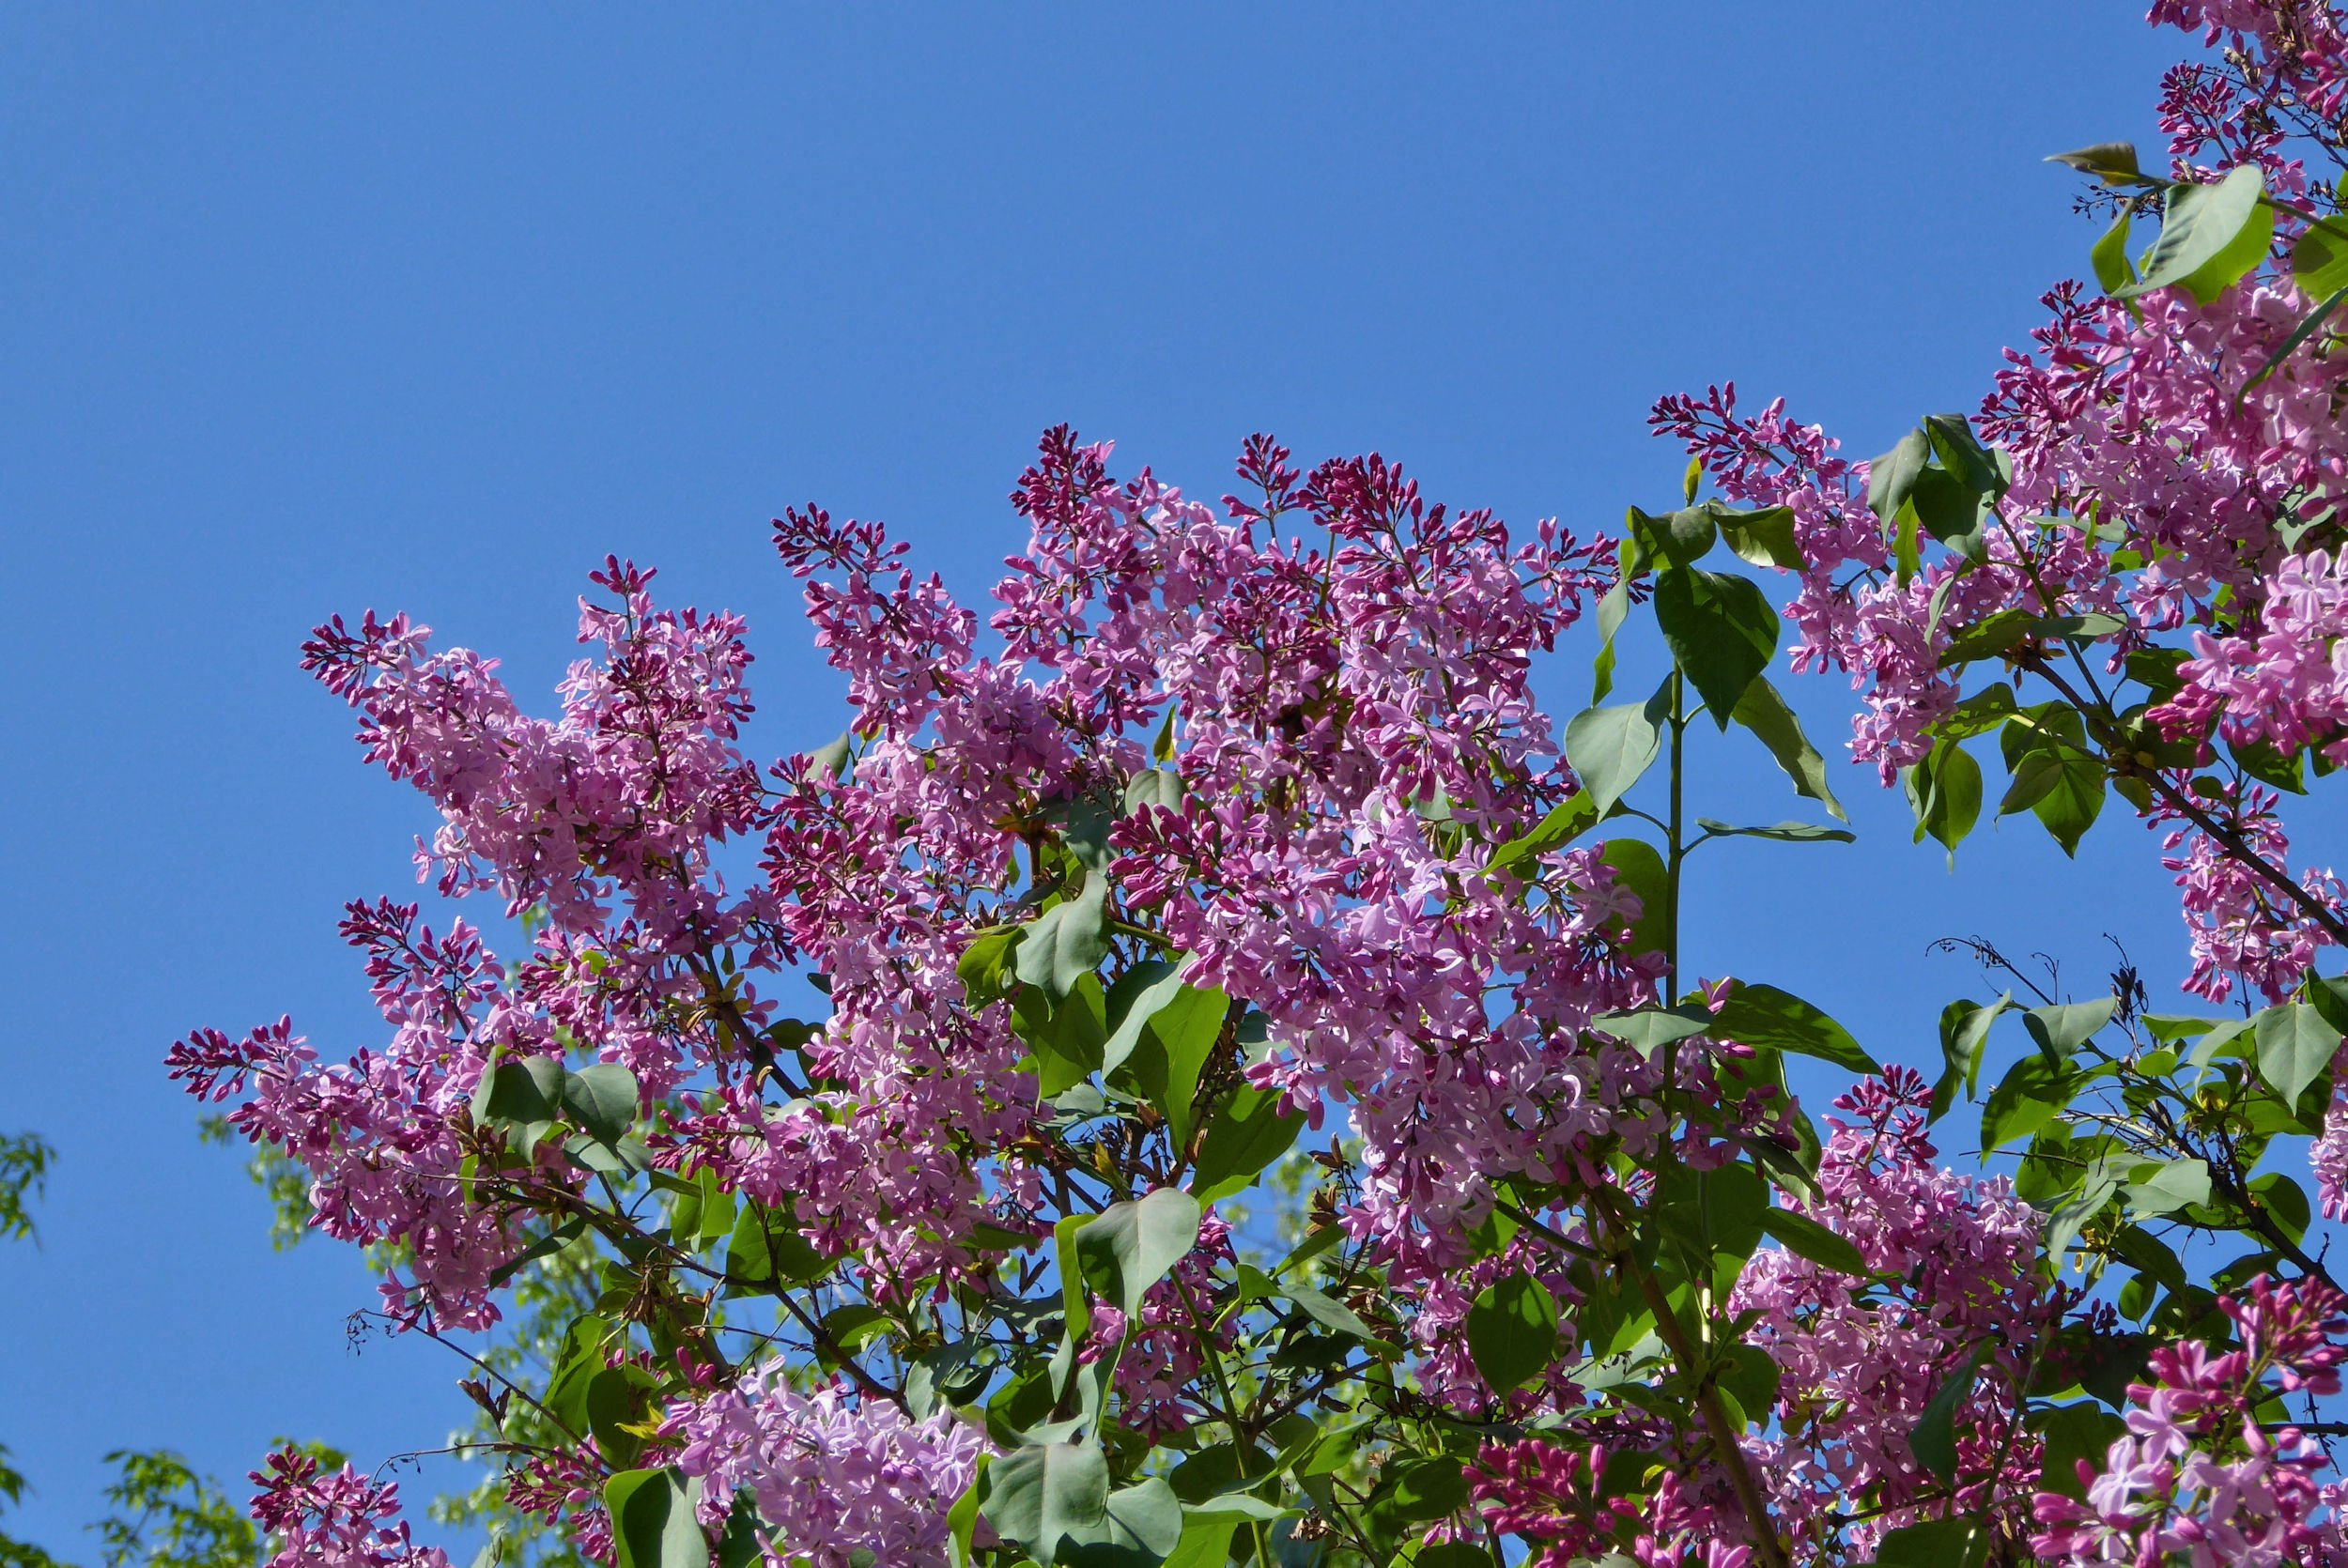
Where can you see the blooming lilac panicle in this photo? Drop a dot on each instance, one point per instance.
(1857, 1363)
(2200, 1478)
(831, 1476)
(337, 1520)
(1554, 1497)
(2244, 931)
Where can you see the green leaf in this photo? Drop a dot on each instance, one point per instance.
(1962, 455)
(1610, 747)
(2264, 761)
(1805, 1238)
(1716, 1215)
(1454, 1554)
(1934, 1438)
(743, 1542)
(1753, 1379)
(1764, 537)
(1907, 557)
(1681, 538)
(1964, 1037)
(1153, 787)
(1763, 712)
(984, 967)
(2318, 261)
(1137, 997)
(1512, 1330)
(2107, 1363)
(1721, 630)
(1075, 1300)
(830, 759)
(765, 1249)
(1048, 1494)
(546, 1246)
(1162, 1046)
(1430, 1488)
(1067, 940)
(575, 1367)
(2070, 1433)
(525, 1091)
(1613, 605)
(615, 1398)
(1206, 1542)
(2055, 776)
(2109, 255)
(1084, 823)
(1145, 1518)
(1892, 477)
(2249, 247)
(653, 1524)
(1561, 826)
(1945, 791)
(1239, 1505)
(2025, 1100)
(2099, 1182)
(1326, 1311)
(1979, 713)
(1953, 513)
(2285, 1201)
(1068, 1038)
(1129, 1247)
(1783, 832)
(2087, 627)
(2210, 236)
(2069, 808)
(2061, 1029)
(1934, 1543)
(2114, 162)
(1992, 634)
(2163, 1187)
(2226, 1033)
(2295, 1046)
(1762, 1015)
(1249, 1133)
(1650, 1029)
(2328, 997)
(601, 1100)
(1639, 870)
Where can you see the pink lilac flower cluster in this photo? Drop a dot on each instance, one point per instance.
(833, 1476)
(1952, 1286)
(376, 1134)
(1327, 709)
(1554, 1498)
(2243, 930)
(337, 1519)
(2207, 1475)
(1349, 730)
(2284, 72)
(565, 1487)
(2288, 684)
(2158, 479)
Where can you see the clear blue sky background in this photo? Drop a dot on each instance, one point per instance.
(313, 309)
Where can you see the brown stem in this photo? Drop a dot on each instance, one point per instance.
(2237, 848)
(1771, 1551)
(1715, 1417)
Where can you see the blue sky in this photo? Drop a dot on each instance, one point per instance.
(309, 309)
